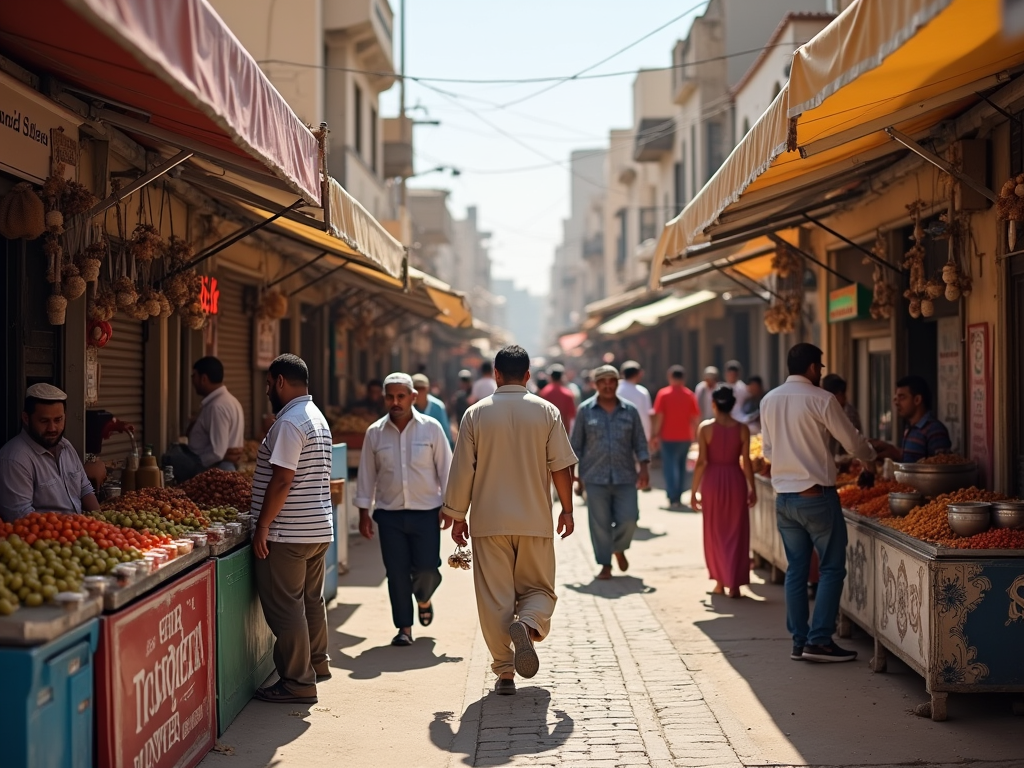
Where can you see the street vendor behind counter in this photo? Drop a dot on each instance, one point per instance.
(39, 469)
(925, 436)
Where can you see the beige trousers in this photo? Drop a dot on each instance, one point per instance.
(514, 578)
(290, 583)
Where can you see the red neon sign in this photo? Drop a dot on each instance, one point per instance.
(209, 295)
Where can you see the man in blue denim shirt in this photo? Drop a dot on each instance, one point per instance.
(608, 439)
(796, 422)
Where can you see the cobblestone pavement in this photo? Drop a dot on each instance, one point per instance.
(612, 690)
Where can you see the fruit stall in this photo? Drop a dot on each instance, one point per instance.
(937, 579)
(131, 633)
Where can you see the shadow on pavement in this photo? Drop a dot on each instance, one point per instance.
(503, 727)
(646, 534)
(374, 662)
(365, 567)
(613, 588)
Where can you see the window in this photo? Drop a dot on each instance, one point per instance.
(357, 115)
(373, 139)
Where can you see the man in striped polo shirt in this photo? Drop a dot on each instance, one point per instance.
(291, 497)
(925, 436)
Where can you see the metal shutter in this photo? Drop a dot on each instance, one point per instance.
(234, 346)
(122, 383)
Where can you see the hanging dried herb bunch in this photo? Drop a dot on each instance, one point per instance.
(22, 214)
(145, 244)
(1010, 206)
(883, 293)
(785, 262)
(784, 313)
(273, 305)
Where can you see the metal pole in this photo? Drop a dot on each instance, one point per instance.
(852, 244)
(297, 270)
(146, 178)
(779, 241)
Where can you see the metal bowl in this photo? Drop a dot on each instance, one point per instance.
(970, 517)
(901, 503)
(1008, 514)
(935, 479)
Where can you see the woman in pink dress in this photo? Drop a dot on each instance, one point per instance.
(723, 489)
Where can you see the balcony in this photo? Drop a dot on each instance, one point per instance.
(655, 138)
(369, 25)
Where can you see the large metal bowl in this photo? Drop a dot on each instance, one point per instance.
(970, 517)
(901, 503)
(935, 479)
(1008, 514)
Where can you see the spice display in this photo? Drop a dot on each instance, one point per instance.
(928, 522)
(218, 488)
(851, 496)
(944, 458)
(169, 503)
(995, 538)
(877, 507)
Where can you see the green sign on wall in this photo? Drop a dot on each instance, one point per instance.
(850, 303)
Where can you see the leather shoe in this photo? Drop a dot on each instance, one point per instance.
(505, 687)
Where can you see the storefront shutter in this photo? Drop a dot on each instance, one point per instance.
(122, 383)
(234, 346)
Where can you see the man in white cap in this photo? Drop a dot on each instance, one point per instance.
(704, 390)
(39, 469)
(403, 471)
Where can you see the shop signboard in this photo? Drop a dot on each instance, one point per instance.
(979, 393)
(949, 403)
(35, 132)
(156, 683)
(850, 303)
(267, 341)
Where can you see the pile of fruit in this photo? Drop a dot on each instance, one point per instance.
(44, 553)
(222, 514)
(756, 447)
(944, 458)
(169, 503)
(853, 496)
(928, 522)
(149, 522)
(217, 488)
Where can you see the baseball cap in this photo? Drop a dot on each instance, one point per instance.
(556, 368)
(46, 392)
(400, 378)
(465, 374)
(604, 372)
(733, 365)
(710, 371)
(420, 380)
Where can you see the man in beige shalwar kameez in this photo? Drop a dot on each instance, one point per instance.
(511, 446)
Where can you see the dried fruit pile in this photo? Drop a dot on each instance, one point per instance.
(169, 503)
(852, 496)
(44, 553)
(218, 488)
(994, 538)
(944, 458)
(928, 522)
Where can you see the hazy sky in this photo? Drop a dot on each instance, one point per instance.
(513, 158)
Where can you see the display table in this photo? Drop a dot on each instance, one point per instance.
(245, 644)
(954, 616)
(33, 626)
(155, 677)
(117, 598)
(765, 539)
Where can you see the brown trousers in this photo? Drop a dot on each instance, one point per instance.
(290, 583)
(514, 578)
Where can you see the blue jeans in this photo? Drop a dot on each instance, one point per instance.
(807, 524)
(410, 544)
(673, 460)
(613, 511)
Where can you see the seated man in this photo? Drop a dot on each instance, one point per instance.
(39, 469)
(924, 436)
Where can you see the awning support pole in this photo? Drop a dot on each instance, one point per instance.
(317, 279)
(1011, 117)
(146, 178)
(874, 257)
(940, 163)
(241, 234)
(745, 286)
(298, 269)
(779, 241)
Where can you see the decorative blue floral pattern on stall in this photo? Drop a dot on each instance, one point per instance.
(960, 588)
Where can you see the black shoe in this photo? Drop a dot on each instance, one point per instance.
(505, 687)
(322, 674)
(828, 653)
(526, 661)
(402, 639)
(798, 653)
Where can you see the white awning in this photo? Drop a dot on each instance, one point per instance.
(650, 315)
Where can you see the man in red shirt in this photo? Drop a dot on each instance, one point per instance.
(676, 418)
(560, 396)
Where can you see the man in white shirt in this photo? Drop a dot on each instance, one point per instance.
(734, 380)
(631, 390)
(403, 471)
(217, 435)
(796, 422)
(704, 390)
(485, 385)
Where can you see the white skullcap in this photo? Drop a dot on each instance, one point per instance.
(46, 392)
(400, 378)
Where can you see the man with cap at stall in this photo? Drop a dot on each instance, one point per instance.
(560, 395)
(403, 471)
(511, 448)
(39, 469)
(608, 439)
(431, 406)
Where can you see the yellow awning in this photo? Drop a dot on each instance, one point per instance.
(650, 315)
(427, 296)
(904, 64)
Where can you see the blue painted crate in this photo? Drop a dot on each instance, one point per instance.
(46, 701)
(339, 470)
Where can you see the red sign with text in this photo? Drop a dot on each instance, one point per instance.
(155, 682)
(209, 295)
